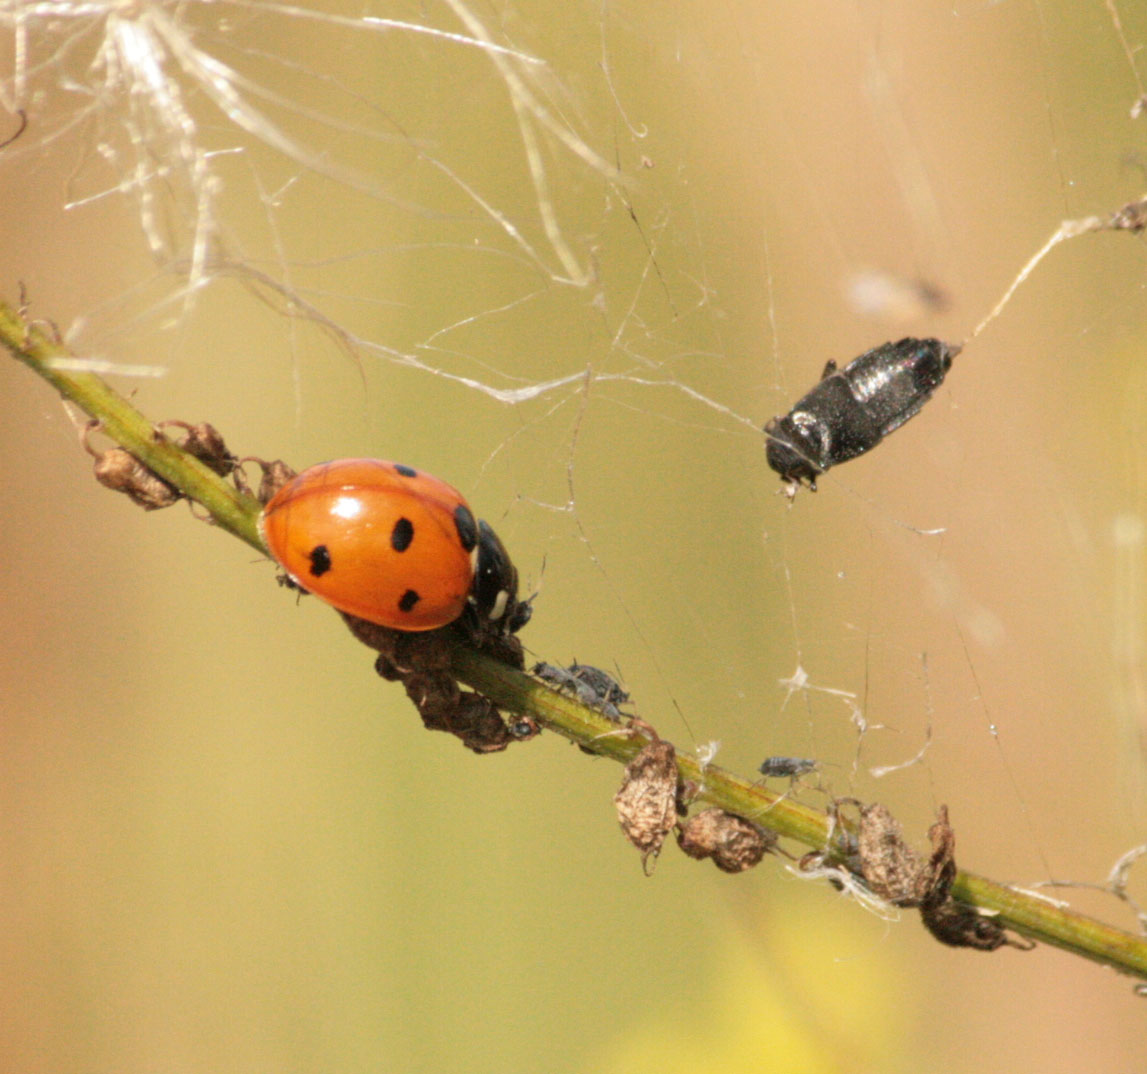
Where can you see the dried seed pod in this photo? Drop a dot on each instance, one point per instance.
(954, 923)
(959, 925)
(276, 474)
(647, 800)
(444, 706)
(887, 863)
(893, 870)
(120, 471)
(934, 881)
(421, 663)
(732, 842)
(204, 442)
(478, 723)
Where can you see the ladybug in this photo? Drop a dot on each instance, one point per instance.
(392, 545)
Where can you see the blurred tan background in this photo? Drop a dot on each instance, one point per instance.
(225, 845)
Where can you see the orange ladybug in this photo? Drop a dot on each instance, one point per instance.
(376, 539)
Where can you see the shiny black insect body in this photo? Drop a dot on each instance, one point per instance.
(852, 409)
(494, 594)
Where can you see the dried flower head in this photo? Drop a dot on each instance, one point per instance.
(732, 842)
(647, 800)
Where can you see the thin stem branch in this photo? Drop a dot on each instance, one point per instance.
(1024, 912)
(235, 511)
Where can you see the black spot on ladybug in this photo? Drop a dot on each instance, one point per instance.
(409, 599)
(320, 557)
(466, 526)
(402, 535)
(405, 471)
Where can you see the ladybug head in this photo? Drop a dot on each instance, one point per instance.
(494, 594)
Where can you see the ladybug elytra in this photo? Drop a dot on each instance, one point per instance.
(392, 545)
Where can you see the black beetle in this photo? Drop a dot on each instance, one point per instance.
(852, 409)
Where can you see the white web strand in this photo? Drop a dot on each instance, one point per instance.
(148, 62)
(140, 89)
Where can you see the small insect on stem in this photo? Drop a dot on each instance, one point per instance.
(590, 685)
(852, 409)
(787, 766)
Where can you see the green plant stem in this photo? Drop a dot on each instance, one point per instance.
(514, 691)
(1024, 912)
(120, 421)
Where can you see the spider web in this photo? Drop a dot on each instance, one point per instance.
(574, 262)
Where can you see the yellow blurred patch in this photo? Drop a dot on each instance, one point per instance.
(813, 994)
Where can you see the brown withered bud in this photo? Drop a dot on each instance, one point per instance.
(421, 662)
(731, 841)
(959, 925)
(426, 650)
(505, 648)
(204, 442)
(435, 694)
(894, 871)
(379, 638)
(276, 474)
(646, 803)
(934, 881)
(387, 669)
(444, 706)
(954, 923)
(120, 471)
(887, 863)
(478, 723)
